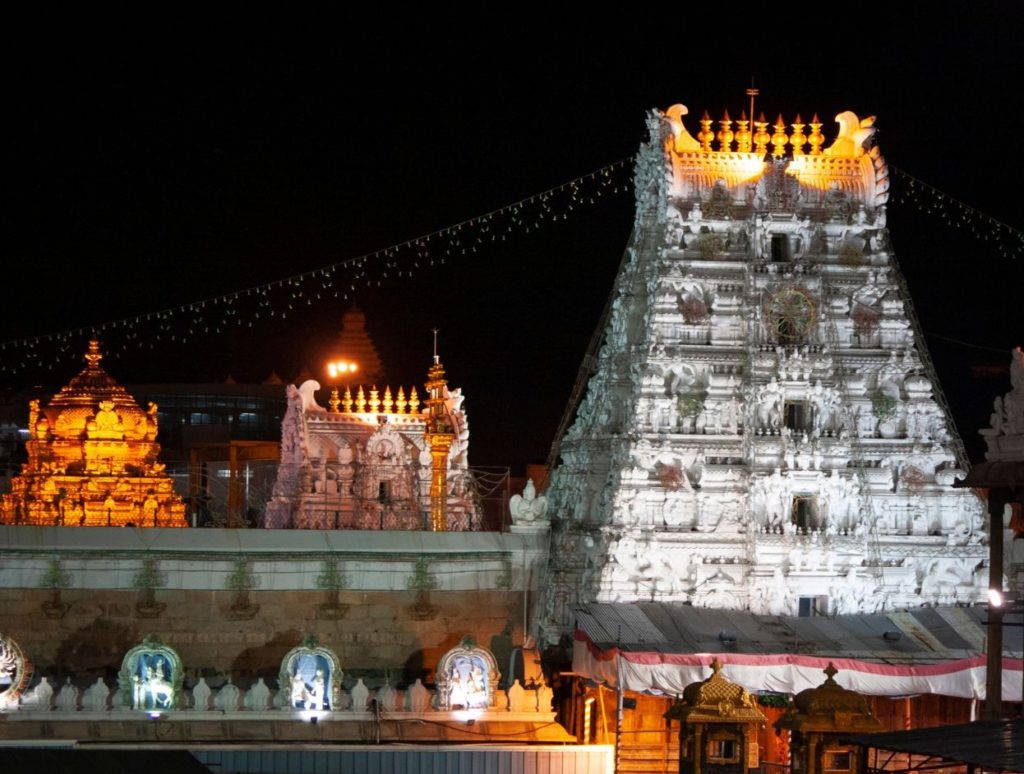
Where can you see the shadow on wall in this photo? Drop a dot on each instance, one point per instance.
(264, 660)
(96, 650)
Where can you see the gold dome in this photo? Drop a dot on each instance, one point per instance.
(716, 699)
(92, 459)
(829, 707)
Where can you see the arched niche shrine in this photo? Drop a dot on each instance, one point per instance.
(151, 676)
(467, 677)
(310, 678)
(15, 672)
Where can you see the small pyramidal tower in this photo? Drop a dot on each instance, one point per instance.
(762, 429)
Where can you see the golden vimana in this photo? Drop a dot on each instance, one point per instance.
(93, 460)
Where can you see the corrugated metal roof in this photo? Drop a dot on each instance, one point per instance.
(924, 635)
(997, 745)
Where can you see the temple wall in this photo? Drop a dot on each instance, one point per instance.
(379, 631)
(232, 602)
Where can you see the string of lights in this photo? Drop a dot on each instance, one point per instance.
(281, 298)
(1008, 241)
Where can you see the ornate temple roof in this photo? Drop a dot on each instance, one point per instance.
(830, 708)
(68, 412)
(92, 459)
(716, 700)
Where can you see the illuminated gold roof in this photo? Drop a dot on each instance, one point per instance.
(851, 164)
(830, 708)
(716, 700)
(69, 410)
(92, 460)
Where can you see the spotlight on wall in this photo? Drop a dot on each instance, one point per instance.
(155, 715)
(314, 720)
(727, 637)
(892, 636)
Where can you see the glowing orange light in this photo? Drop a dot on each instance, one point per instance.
(336, 368)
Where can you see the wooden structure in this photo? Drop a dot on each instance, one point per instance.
(718, 726)
(817, 718)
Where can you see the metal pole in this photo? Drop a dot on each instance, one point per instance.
(993, 708)
(618, 709)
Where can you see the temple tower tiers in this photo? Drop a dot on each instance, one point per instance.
(93, 460)
(762, 428)
(354, 345)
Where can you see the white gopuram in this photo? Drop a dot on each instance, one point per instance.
(761, 427)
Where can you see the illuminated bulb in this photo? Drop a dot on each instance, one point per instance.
(995, 598)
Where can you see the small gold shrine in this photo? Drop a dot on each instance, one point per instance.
(816, 718)
(718, 726)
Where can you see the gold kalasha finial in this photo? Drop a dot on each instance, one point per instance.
(414, 401)
(743, 135)
(725, 134)
(798, 138)
(705, 135)
(388, 402)
(347, 403)
(335, 401)
(401, 403)
(360, 401)
(779, 139)
(817, 139)
(374, 400)
(761, 136)
(93, 356)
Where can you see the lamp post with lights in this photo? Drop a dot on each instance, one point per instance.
(340, 371)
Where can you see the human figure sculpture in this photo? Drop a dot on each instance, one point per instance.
(769, 405)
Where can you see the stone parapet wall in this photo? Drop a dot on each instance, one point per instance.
(378, 631)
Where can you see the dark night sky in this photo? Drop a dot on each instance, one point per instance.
(146, 175)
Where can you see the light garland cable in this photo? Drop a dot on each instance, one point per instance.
(1009, 241)
(278, 299)
(216, 314)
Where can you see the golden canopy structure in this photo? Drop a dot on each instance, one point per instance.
(92, 460)
(818, 717)
(718, 726)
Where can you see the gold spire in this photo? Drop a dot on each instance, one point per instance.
(706, 133)
(374, 400)
(440, 435)
(725, 134)
(401, 403)
(361, 401)
(816, 140)
(388, 402)
(335, 402)
(797, 139)
(414, 401)
(761, 136)
(779, 139)
(743, 135)
(93, 356)
(348, 399)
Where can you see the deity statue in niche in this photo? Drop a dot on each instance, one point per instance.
(150, 687)
(310, 678)
(467, 677)
(468, 681)
(151, 676)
